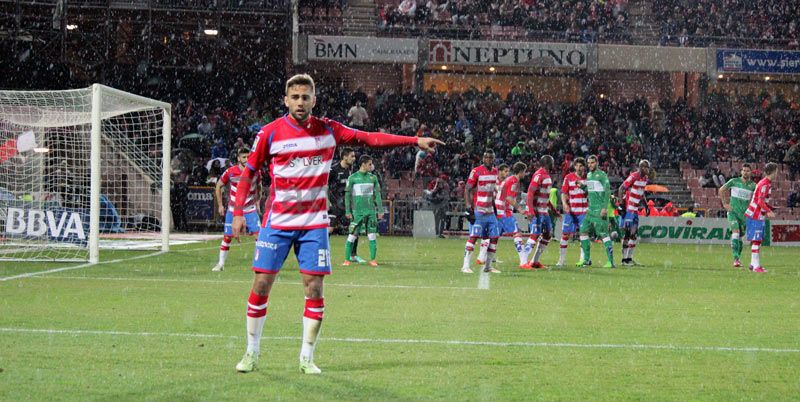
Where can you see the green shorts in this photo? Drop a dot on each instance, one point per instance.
(737, 222)
(596, 224)
(363, 224)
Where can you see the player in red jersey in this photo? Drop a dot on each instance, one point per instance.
(298, 149)
(539, 208)
(479, 201)
(575, 204)
(231, 178)
(757, 213)
(632, 192)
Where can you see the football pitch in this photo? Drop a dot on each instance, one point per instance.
(685, 326)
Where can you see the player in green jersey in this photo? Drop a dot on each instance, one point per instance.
(362, 203)
(735, 196)
(598, 191)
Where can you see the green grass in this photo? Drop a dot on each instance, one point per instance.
(167, 328)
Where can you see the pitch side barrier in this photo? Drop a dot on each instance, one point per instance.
(709, 231)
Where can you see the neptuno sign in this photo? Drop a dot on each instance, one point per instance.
(517, 54)
(362, 49)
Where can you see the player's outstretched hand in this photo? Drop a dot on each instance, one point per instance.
(237, 226)
(428, 144)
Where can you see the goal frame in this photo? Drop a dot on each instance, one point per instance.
(98, 90)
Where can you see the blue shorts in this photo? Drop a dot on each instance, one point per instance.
(755, 230)
(485, 225)
(629, 220)
(311, 247)
(572, 223)
(250, 219)
(541, 224)
(508, 225)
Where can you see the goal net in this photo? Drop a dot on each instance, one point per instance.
(81, 170)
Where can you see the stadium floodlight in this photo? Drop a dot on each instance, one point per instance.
(72, 27)
(210, 32)
(81, 170)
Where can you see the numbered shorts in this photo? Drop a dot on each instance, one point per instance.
(755, 230)
(736, 222)
(630, 220)
(485, 225)
(250, 219)
(572, 223)
(596, 225)
(363, 224)
(508, 225)
(541, 224)
(311, 247)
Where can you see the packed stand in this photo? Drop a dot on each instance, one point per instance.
(573, 20)
(697, 23)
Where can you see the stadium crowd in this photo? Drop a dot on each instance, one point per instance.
(576, 19)
(726, 127)
(682, 22)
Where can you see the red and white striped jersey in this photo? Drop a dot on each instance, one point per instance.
(299, 160)
(508, 189)
(484, 181)
(759, 204)
(539, 193)
(634, 194)
(231, 178)
(578, 203)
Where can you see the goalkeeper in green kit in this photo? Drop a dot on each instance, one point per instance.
(598, 191)
(735, 196)
(362, 201)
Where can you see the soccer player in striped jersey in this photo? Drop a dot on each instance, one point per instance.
(757, 212)
(506, 202)
(231, 179)
(575, 204)
(502, 173)
(539, 207)
(632, 192)
(736, 195)
(298, 149)
(479, 194)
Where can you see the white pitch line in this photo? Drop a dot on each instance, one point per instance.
(70, 268)
(50, 271)
(344, 285)
(622, 346)
(483, 280)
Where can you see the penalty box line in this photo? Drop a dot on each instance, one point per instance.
(74, 267)
(233, 281)
(565, 345)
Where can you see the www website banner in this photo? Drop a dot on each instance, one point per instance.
(758, 61)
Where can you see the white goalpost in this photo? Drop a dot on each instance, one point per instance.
(82, 170)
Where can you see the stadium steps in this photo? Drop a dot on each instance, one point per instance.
(679, 192)
(642, 24)
(359, 18)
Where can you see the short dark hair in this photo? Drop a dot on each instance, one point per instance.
(770, 168)
(489, 151)
(502, 166)
(243, 150)
(345, 151)
(547, 160)
(747, 165)
(300, 79)
(592, 157)
(519, 167)
(579, 160)
(364, 159)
